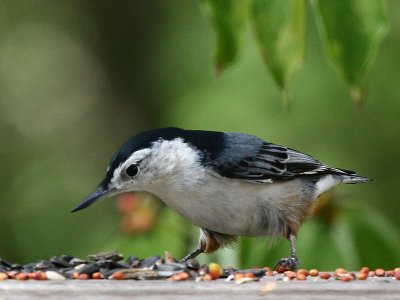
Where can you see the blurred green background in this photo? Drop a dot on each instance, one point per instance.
(77, 78)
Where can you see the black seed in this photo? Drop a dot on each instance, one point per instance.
(166, 274)
(106, 255)
(228, 271)
(65, 271)
(108, 272)
(124, 265)
(170, 267)
(89, 269)
(43, 265)
(108, 264)
(59, 262)
(16, 267)
(192, 264)
(5, 263)
(133, 261)
(150, 261)
(69, 272)
(29, 267)
(66, 257)
(77, 261)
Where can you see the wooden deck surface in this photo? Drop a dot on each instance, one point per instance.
(373, 288)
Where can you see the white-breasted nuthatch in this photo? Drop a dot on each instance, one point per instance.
(228, 184)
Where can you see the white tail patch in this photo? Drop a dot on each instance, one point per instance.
(325, 183)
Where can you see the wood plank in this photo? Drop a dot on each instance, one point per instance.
(373, 288)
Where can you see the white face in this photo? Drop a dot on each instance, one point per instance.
(166, 162)
(124, 176)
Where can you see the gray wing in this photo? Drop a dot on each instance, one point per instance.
(250, 158)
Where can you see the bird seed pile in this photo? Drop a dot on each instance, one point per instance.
(111, 265)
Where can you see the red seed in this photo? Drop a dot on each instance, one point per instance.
(301, 276)
(346, 278)
(362, 276)
(324, 275)
(97, 275)
(397, 275)
(118, 276)
(269, 273)
(380, 272)
(390, 273)
(83, 276)
(282, 269)
(237, 276)
(3, 276)
(286, 273)
(214, 270)
(313, 272)
(250, 275)
(303, 271)
(208, 277)
(371, 274)
(41, 275)
(290, 274)
(12, 274)
(184, 275)
(175, 277)
(180, 276)
(22, 276)
(339, 271)
(364, 270)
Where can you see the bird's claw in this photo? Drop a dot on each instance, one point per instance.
(288, 263)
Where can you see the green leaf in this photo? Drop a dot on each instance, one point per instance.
(279, 26)
(228, 18)
(351, 31)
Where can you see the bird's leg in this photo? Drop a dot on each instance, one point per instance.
(210, 241)
(291, 262)
(207, 244)
(191, 255)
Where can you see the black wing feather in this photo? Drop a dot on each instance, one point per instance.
(250, 158)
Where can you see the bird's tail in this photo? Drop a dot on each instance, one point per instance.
(338, 176)
(353, 178)
(347, 176)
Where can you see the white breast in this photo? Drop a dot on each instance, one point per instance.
(237, 207)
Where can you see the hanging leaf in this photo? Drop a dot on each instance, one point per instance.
(228, 18)
(351, 31)
(279, 27)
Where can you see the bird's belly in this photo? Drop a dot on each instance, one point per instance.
(239, 208)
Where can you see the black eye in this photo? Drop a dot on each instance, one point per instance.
(132, 170)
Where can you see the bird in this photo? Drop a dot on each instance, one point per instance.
(226, 183)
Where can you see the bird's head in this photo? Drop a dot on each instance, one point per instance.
(149, 159)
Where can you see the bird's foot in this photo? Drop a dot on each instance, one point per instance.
(287, 264)
(191, 255)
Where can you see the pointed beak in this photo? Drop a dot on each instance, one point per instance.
(99, 193)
